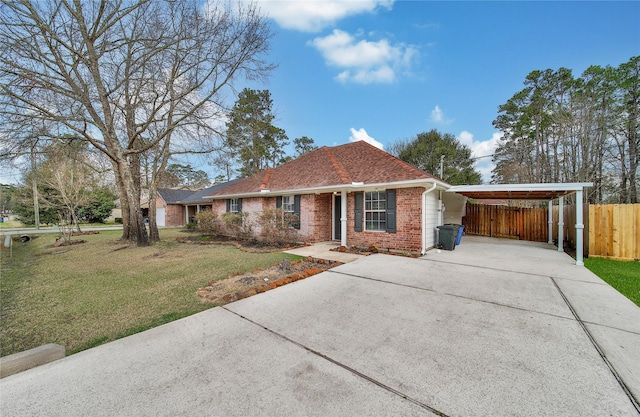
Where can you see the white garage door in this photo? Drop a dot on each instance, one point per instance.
(431, 219)
(160, 216)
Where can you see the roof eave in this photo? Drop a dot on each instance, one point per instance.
(566, 186)
(337, 188)
(545, 191)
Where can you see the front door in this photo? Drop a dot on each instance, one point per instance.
(337, 225)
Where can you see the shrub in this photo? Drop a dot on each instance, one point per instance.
(237, 225)
(208, 223)
(99, 207)
(275, 225)
(118, 220)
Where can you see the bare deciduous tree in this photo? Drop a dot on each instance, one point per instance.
(127, 76)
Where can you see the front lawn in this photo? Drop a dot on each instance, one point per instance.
(83, 295)
(621, 275)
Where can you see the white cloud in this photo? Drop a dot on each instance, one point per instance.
(363, 61)
(481, 149)
(315, 15)
(437, 116)
(362, 134)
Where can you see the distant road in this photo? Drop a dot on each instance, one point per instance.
(32, 231)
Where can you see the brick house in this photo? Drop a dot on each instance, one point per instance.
(176, 208)
(169, 212)
(355, 193)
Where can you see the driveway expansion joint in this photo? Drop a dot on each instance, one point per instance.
(509, 270)
(464, 297)
(595, 344)
(343, 366)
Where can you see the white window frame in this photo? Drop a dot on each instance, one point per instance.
(288, 205)
(233, 205)
(375, 211)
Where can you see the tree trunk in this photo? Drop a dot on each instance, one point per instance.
(137, 231)
(154, 235)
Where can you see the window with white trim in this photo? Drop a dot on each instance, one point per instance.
(288, 204)
(234, 205)
(375, 206)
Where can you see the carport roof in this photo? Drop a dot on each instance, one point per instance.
(548, 191)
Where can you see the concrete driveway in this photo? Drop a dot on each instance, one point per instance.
(494, 328)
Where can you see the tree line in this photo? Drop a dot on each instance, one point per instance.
(137, 84)
(560, 128)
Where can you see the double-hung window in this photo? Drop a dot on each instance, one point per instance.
(375, 210)
(233, 205)
(288, 204)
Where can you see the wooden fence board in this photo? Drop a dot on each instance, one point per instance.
(611, 230)
(614, 231)
(507, 222)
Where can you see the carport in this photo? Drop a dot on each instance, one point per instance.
(536, 192)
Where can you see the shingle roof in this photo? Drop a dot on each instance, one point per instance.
(172, 196)
(329, 166)
(198, 196)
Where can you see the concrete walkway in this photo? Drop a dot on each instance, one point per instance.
(494, 328)
(324, 250)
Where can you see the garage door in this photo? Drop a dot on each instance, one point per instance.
(160, 216)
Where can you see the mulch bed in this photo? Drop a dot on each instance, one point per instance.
(252, 246)
(237, 287)
(371, 250)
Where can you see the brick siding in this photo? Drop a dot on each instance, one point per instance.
(174, 215)
(316, 220)
(408, 234)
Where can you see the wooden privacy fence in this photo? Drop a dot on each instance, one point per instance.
(610, 230)
(509, 222)
(614, 231)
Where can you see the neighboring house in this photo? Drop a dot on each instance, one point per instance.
(355, 193)
(197, 201)
(176, 207)
(169, 211)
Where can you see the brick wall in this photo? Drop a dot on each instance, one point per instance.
(408, 224)
(174, 215)
(316, 220)
(315, 217)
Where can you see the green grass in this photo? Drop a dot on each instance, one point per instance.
(621, 275)
(84, 295)
(15, 224)
(11, 224)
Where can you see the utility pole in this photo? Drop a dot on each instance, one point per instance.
(441, 166)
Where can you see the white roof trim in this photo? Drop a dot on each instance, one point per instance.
(339, 187)
(561, 186)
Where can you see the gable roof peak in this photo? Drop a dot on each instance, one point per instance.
(328, 167)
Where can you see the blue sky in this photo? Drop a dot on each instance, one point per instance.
(387, 70)
(384, 70)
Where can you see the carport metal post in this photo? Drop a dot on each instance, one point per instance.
(343, 218)
(560, 223)
(579, 228)
(550, 204)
